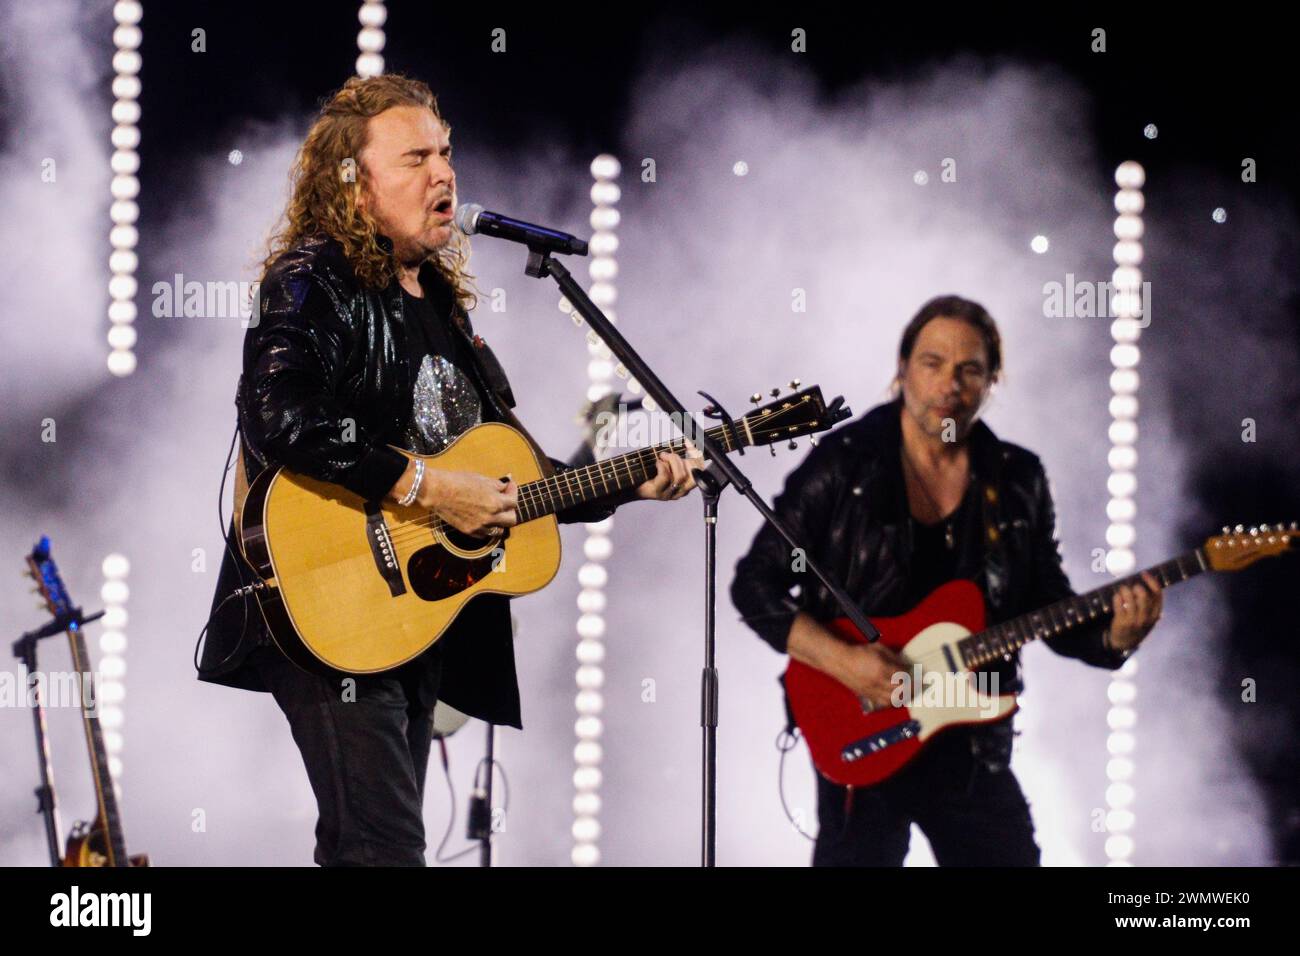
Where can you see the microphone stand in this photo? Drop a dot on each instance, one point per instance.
(720, 473)
(479, 825)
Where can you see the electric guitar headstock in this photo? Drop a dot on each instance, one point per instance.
(1239, 547)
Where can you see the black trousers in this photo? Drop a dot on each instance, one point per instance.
(961, 793)
(366, 749)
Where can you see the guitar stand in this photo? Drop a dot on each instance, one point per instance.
(25, 650)
(720, 473)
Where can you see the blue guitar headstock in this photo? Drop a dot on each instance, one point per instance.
(46, 574)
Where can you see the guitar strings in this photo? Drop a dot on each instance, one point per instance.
(544, 491)
(536, 495)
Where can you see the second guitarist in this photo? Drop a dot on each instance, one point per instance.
(916, 493)
(363, 341)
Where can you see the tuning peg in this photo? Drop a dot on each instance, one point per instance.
(1253, 530)
(1239, 529)
(756, 397)
(1226, 529)
(794, 385)
(776, 393)
(812, 440)
(772, 449)
(710, 410)
(792, 446)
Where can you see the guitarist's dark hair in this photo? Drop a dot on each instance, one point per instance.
(953, 307)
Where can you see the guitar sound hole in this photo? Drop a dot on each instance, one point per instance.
(435, 573)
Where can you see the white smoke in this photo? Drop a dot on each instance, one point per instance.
(710, 264)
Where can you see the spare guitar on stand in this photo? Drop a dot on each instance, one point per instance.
(99, 842)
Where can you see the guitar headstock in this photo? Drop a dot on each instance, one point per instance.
(1240, 547)
(802, 412)
(43, 570)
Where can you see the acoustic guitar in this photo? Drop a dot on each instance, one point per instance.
(362, 587)
(944, 642)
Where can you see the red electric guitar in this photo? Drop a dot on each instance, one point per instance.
(944, 641)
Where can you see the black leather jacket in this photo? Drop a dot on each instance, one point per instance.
(847, 500)
(326, 349)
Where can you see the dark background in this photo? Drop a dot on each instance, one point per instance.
(1214, 84)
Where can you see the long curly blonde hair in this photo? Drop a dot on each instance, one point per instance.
(327, 180)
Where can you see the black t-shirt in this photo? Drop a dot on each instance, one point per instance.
(933, 562)
(445, 400)
(464, 664)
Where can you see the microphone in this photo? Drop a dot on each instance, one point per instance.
(473, 219)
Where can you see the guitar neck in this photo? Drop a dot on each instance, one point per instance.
(1008, 637)
(577, 486)
(105, 795)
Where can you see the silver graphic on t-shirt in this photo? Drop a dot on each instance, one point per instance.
(443, 405)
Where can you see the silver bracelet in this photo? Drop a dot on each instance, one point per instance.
(408, 499)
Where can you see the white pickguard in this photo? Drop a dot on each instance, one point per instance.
(947, 697)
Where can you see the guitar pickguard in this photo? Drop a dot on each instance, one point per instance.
(436, 572)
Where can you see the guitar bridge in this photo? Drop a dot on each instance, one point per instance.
(382, 550)
(878, 742)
